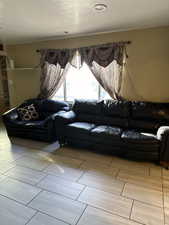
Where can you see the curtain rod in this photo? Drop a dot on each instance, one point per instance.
(120, 42)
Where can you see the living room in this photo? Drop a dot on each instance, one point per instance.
(97, 150)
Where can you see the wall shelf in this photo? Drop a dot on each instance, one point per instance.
(26, 68)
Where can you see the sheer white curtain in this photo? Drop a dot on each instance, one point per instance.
(54, 65)
(107, 65)
(110, 77)
(53, 78)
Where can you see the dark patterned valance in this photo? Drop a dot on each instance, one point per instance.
(103, 54)
(56, 56)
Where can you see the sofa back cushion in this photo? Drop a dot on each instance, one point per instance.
(152, 111)
(49, 105)
(87, 110)
(46, 107)
(27, 102)
(92, 107)
(101, 112)
(147, 116)
(116, 108)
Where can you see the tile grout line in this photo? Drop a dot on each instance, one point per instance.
(142, 201)
(83, 173)
(83, 161)
(149, 171)
(21, 181)
(36, 212)
(159, 189)
(8, 170)
(27, 167)
(131, 209)
(37, 183)
(117, 174)
(121, 193)
(20, 203)
(64, 196)
(81, 214)
(111, 213)
(34, 197)
(80, 193)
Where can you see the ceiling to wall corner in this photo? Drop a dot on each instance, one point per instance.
(24, 21)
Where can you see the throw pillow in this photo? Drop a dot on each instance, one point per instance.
(28, 113)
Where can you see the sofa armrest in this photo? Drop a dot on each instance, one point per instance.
(52, 117)
(10, 115)
(163, 136)
(162, 132)
(65, 117)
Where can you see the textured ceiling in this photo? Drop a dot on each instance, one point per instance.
(32, 20)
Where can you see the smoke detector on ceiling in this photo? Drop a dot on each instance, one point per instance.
(100, 7)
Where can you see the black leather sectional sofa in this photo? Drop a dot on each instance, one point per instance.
(137, 130)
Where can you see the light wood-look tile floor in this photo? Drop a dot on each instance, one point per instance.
(43, 185)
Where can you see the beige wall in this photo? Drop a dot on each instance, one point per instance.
(148, 63)
(23, 84)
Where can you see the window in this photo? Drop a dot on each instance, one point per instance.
(81, 84)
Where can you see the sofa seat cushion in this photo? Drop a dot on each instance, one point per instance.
(106, 134)
(79, 129)
(132, 136)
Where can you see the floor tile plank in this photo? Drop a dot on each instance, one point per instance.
(37, 164)
(59, 207)
(93, 216)
(147, 214)
(42, 219)
(13, 213)
(141, 180)
(143, 194)
(24, 174)
(106, 201)
(64, 172)
(61, 186)
(18, 191)
(102, 182)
